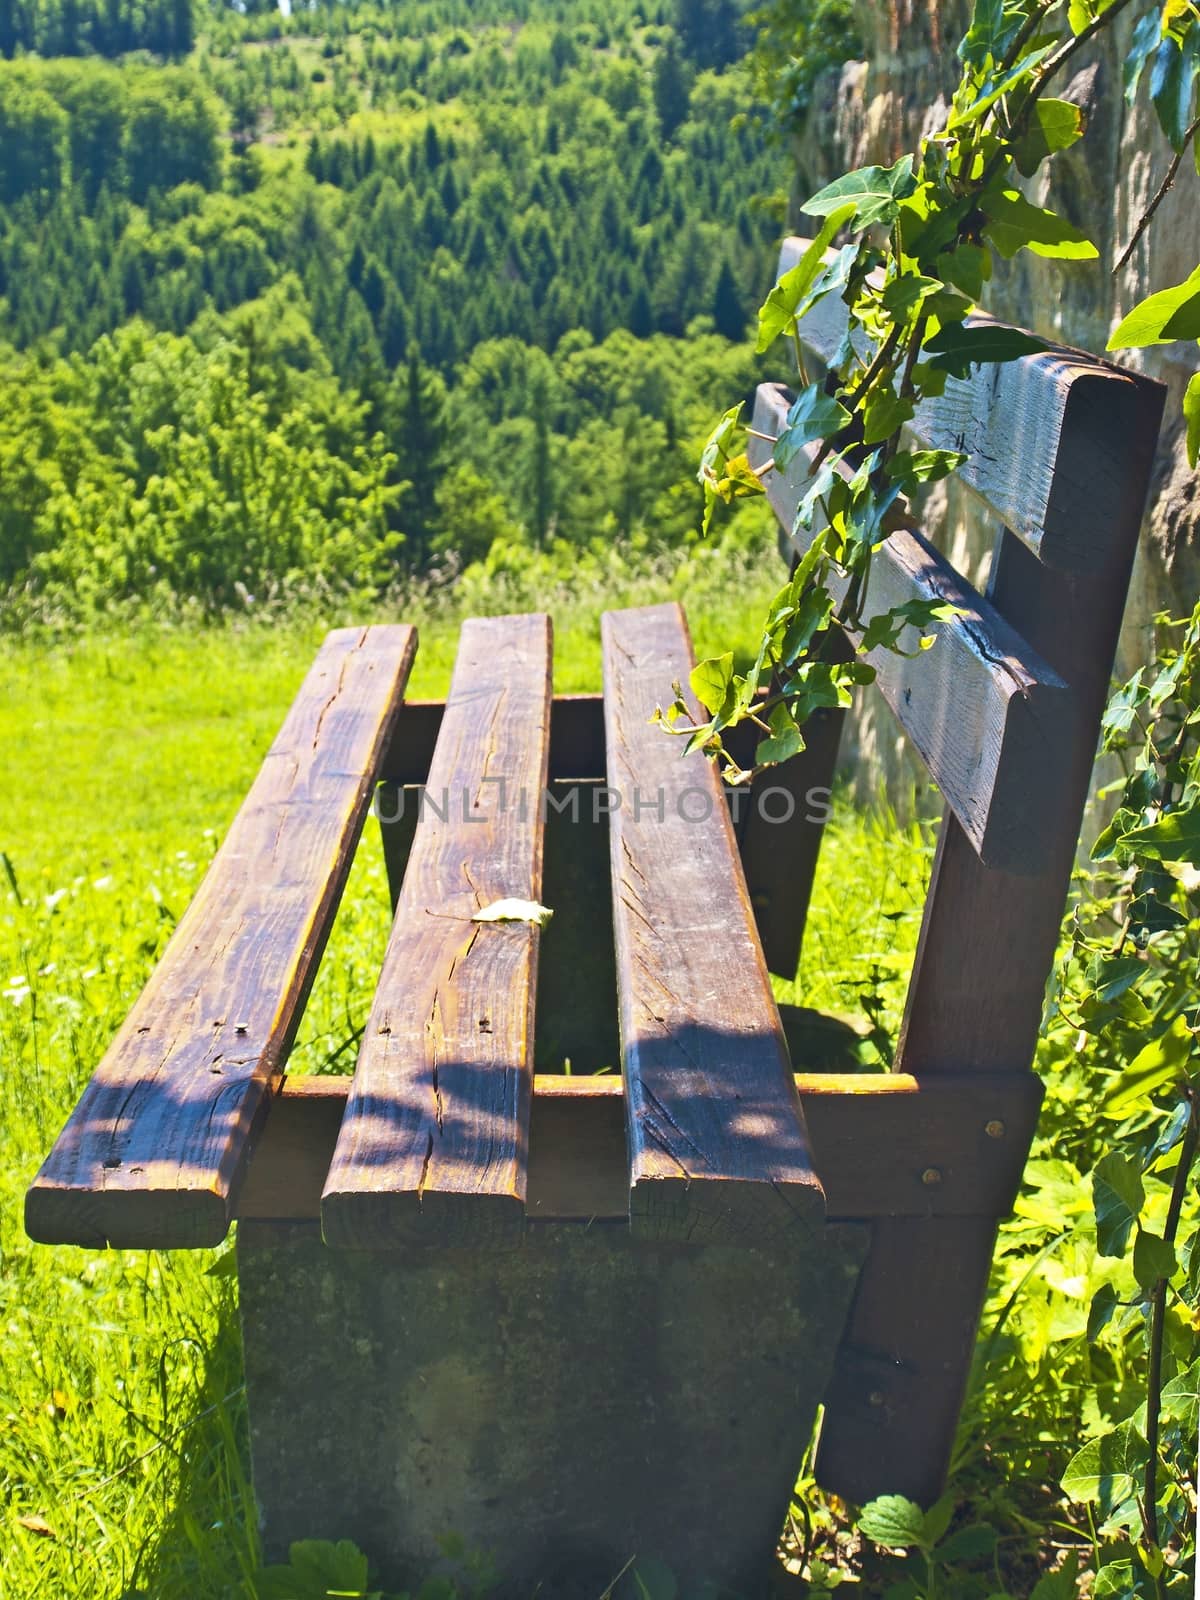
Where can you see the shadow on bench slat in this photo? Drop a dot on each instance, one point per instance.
(717, 1145)
(154, 1152)
(433, 1148)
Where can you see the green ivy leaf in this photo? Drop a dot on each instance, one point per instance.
(1153, 1258)
(1112, 976)
(1121, 711)
(316, 1569)
(907, 291)
(1146, 36)
(1080, 13)
(1175, 837)
(893, 1521)
(910, 467)
(813, 415)
(1118, 1197)
(781, 304)
(1149, 320)
(1056, 125)
(1173, 84)
(1100, 1314)
(1115, 1581)
(1015, 224)
(710, 681)
(1160, 1062)
(994, 26)
(884, 414)
(958, 348)
(875, 193)
(809, 618)
(1060, 1585)
(823, 489)
(967, 268)
(1150, 909)
(1180, 1398)
(1106, 1471)
(1191, 415)
(785, 740)
(997, 88)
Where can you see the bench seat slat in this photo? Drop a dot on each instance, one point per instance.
(990, 718)
(433, 1148)
(717, 1144)
(154, 1152)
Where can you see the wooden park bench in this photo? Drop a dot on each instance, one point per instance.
(578, 1318)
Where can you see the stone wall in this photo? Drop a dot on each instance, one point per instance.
(874, 111)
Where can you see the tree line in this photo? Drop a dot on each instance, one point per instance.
(96, 27)
(555, 200)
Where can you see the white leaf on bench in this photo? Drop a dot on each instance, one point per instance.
(514, 911)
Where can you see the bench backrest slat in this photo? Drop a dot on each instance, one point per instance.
(1044, 436)
(434, 1145)
(155, 1149)
(987, 714)
(717, 1146)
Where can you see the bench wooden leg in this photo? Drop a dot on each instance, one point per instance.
(566, 1406)
(893, 1403)
(780, 840)
(395, 810)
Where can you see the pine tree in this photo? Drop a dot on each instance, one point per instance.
(420, 442)
(183, 27)
(641, 313)
(670, 89)
(449, 192)
(728, 308)
(541, 466)
(10, 28)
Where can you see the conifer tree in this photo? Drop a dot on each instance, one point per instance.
(420, 442)
(728, 308)
(670, 89)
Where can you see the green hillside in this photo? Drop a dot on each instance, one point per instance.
(295, 302)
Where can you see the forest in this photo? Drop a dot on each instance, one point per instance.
(314, 301)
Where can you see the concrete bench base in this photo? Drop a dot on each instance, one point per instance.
(565, 1406)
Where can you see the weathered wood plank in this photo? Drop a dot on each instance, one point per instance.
(883, 1145)
(433, 1146)
(153, 1154)
(986, 947)
(1037, 432)
(988, 715)
(717, 1147)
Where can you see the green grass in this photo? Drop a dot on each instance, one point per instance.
(122, 1450)
(122, 1422)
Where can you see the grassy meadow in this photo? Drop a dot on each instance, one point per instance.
(123, 1453)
